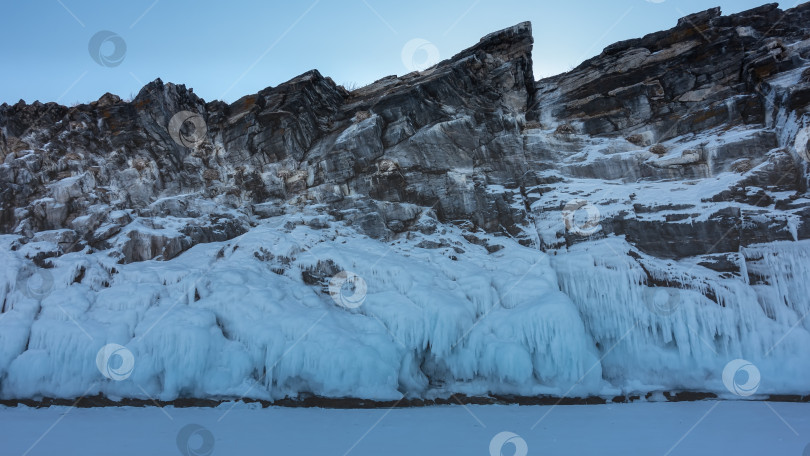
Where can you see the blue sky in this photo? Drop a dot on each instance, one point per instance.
(228, 49)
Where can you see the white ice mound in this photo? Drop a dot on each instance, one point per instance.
(237, 319)
(426, 315)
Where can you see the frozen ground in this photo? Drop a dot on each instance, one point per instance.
(687, 428)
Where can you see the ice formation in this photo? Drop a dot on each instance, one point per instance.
(236, 319)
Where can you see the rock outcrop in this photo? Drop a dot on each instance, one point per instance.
(434, 139)
(715, 99)
(473, 138)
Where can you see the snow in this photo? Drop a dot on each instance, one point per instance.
(236, 319)
(689, 184)
(683, 428)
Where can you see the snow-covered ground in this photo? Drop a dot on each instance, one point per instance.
(684, 428)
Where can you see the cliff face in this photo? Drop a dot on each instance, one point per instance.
(666, 177)
(431, 139)
(716, 94)
(474, 138)
(708, 71)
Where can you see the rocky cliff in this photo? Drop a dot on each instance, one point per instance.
(659, 187)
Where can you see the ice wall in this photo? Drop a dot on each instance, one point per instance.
(680, 333)
(254, 317)
(237, 319)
